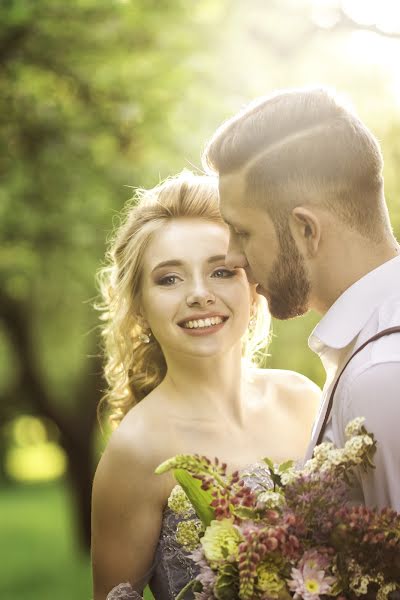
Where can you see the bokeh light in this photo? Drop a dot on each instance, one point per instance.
(32, 456)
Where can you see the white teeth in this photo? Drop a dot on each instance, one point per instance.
(202, 323)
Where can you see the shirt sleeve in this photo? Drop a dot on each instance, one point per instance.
(375, 395)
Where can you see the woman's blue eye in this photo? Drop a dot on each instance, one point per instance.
(168, 280)
(223, 273)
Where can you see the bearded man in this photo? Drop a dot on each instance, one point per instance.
(301, 188)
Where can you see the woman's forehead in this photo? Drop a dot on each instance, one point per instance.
(186, 240)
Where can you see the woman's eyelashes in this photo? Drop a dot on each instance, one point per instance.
(167, 280)
(172, 279)
(223, 273)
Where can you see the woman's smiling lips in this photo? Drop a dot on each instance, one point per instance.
(203, 324)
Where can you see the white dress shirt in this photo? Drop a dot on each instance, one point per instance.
(370, 384)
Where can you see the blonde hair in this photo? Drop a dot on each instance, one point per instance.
(133, 368)
(305, 145)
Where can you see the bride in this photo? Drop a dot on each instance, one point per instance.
(180, 331)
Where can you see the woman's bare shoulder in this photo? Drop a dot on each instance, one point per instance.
(136, 447)
(292, 384)
(127, 502)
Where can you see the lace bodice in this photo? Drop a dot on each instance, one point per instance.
(173, 568)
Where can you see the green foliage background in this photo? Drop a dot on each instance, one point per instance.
(97, 97)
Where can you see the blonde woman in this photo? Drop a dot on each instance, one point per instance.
(180, 331)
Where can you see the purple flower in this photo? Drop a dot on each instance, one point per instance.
(206, 575)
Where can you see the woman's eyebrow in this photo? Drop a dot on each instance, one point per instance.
(179, 263)
(168, 263)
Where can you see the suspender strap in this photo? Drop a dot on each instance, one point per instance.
(329, 407)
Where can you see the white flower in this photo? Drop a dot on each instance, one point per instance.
(270, 499)
(336, 457)
(321, 451)
(311, 466)
(355, 448)
(289, 477)
(354, 427)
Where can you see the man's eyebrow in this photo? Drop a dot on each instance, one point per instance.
(179, 263)
(227, 221)
(231, 224)
(234, 227)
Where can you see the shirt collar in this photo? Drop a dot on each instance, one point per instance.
(351, 311)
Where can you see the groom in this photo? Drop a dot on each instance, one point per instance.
(301, 189)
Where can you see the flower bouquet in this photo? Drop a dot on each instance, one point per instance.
(293, 534)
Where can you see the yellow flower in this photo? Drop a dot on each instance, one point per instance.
(188, 534)
(179, 503)
(221, 540)
(312, 586)
(268, 580)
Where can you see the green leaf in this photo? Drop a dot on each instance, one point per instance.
(193, 585)
(245, 512)
(285, 466)
(226, 586)
(270, 464)
(200, 499)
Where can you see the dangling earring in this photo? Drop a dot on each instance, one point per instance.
(145, 337)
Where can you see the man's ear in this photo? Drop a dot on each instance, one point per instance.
(306, 229)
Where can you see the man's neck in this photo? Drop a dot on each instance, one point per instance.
(352, 262)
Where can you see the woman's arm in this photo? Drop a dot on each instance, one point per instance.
(127, 506)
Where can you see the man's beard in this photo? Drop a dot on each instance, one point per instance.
(288, 284)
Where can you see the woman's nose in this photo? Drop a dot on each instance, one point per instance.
(200, 296)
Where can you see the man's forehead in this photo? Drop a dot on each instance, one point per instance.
(231, 192)
(233, 183)
(236, 207)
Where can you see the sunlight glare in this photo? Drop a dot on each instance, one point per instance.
(385, 14)
(325, 13)
(367, 47)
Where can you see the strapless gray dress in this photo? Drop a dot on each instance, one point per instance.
(173, 568)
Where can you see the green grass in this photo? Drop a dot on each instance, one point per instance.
(39, 558)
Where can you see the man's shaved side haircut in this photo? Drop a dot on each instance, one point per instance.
(304, 146)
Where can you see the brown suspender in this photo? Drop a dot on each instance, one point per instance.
(329, 407)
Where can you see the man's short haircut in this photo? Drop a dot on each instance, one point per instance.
(304, 146)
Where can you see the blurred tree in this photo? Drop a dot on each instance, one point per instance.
(82, 93)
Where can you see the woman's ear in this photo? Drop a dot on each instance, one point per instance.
(141, 318)
(306, 229)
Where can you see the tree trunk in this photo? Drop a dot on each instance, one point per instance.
(76, 426)
(80, 476)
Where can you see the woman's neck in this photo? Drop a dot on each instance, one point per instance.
(206, 388)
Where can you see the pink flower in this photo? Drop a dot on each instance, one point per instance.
(310, 583)
(315, 559)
